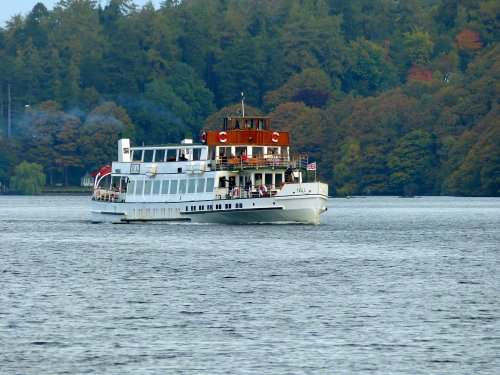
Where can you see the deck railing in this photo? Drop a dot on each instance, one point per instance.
(108, 195)
(258, 161)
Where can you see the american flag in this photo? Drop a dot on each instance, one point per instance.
(311, 166)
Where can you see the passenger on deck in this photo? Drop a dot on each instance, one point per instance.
(248, 187)
(289, 174)
(243, 156)
(183, 158)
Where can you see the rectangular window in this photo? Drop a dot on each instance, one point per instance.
(139, 187)
(148, 186)
(160, 155)
(278, 178)
(136, 155)
(258, 179)
(196, 154)
(182, 186)
(131, 187)
(258, 152)
(269, 179)
(171, 155)
(156, 187)
(201, 185)
(164, 187)
(148, 156)
(192, 186)
(173, 187)
(239, 151)
(210, 185)
(222, 182)
(135, 168)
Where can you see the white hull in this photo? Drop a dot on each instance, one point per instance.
(299, 207)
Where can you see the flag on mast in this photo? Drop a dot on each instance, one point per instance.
(311, 166)
(102, 171)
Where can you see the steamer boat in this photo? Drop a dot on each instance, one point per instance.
(241, 174)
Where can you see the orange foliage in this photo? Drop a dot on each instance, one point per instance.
(468, 39)
(420, 73)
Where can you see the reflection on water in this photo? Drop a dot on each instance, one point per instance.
(383, 285)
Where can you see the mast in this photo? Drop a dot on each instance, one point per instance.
(243, 104)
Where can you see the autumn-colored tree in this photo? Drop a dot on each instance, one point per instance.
(100, 133)
(51, 139)
(305, 125)
(479, 173)
(468, 39)
(420, 73)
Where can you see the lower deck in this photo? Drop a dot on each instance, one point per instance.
(304, 204)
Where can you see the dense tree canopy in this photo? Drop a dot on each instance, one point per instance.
(390, 97)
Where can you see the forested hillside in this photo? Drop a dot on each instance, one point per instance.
(389, 96)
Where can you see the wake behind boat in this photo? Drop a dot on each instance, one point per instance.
(241, 174)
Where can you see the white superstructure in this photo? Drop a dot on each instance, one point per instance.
(240, 175)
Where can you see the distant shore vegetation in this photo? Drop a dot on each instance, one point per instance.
(389, 97)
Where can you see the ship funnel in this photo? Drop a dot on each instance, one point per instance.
(188, 139)
(124, 150)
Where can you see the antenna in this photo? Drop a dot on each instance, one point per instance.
(243, 103)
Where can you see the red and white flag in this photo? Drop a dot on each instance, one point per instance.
(102, 171)
(311, 166)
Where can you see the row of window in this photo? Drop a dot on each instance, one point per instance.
(163, 155)
(166, 187)
(210, 207)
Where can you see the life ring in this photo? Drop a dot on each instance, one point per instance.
(262, 190)
(275, 137)
(222, 137)
(204, 137)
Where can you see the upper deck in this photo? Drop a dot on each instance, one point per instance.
(251, 131)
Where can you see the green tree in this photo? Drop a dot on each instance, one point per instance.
(10, 156)
(419, 47)
(410, 163)
(346, 173)
(29, 179)
(312, 38)
(370, 70)
(315, 79)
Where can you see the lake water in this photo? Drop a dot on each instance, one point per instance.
(383, 285)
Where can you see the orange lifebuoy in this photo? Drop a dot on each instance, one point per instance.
(275, 137)
(204, 137)
(222, 137)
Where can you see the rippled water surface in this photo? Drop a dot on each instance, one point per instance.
(383, 285)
